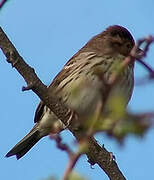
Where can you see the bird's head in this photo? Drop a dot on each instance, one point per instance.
(114, 40)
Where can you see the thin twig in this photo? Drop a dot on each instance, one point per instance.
(60, 145)
(148, 41)
(72, 162)
(73, 157)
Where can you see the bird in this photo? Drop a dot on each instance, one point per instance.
(80, 87)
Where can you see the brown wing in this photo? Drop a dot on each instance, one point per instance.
(53, 86)
(65, 72)
(39, 112)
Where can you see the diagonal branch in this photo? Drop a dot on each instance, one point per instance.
(96, 153)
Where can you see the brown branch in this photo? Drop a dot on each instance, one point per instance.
(96, 153)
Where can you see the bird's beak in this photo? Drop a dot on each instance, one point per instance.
(139, 53)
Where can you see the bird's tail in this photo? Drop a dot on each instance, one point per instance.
(23, 146)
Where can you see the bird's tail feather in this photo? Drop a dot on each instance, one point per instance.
(23, 146)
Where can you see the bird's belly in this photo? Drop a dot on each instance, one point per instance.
(82, 95)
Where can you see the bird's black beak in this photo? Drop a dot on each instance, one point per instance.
(139, 53)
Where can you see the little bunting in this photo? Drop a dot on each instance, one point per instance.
(79, 86)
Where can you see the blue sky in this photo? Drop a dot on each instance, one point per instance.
(47, 33)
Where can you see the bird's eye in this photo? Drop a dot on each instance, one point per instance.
(117, 44)
(128, 45)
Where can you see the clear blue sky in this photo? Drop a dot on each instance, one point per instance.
(47, 33)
